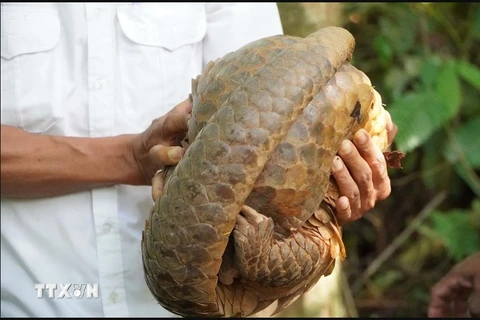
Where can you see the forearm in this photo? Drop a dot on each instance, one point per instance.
(42, 166)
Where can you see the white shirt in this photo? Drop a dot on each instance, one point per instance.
(94, 70)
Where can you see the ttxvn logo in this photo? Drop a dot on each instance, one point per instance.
(67, 291)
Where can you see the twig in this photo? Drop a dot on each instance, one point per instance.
(397, 182)
(398, 241)
(348, 297)
(384, 304)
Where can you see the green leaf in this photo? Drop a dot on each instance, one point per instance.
(470, 102)
(429, 71)
(414, 255)
(387, 279)
(469, 73)
(420, 295)
(448, 88)
(399, 28)
(463, 150)
(462, 177)
(476, 207)
(476, 24)
(434, 173)
(470, 179)
(396, 80)
(383, 49)
(465, 142)
(460, 235)
(417, 116)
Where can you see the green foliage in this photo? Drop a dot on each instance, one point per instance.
(469, 73)
(423, 59)
(459, 230)
(386, 279)
(419, 113)
(417, 116)
(465, 143)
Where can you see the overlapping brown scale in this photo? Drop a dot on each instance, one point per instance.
(266, 123)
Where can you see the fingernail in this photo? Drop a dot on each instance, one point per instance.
(361, 137)
(346, 147)
(343, 203)
(175, 154)
(337, 164)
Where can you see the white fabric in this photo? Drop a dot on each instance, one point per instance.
(94, 70)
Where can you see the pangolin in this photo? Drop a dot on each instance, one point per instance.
(246, 218)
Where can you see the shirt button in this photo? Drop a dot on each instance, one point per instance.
(113, 297)
(106, 228)
(99, 84)
(95, 13)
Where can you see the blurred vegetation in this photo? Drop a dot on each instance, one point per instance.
(423, 58)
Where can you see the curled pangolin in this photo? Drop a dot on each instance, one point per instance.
(246, 217)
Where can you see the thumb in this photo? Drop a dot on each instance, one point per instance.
(166, 156)
(183, 107)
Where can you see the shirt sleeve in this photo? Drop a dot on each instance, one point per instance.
(232, 25)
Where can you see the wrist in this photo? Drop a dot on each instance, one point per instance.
(131, 169)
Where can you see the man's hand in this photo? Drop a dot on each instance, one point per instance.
(155, 148)
(458, 291)
(361, 174)
(36, 165)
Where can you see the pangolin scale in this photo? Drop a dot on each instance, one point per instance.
(246, 218)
